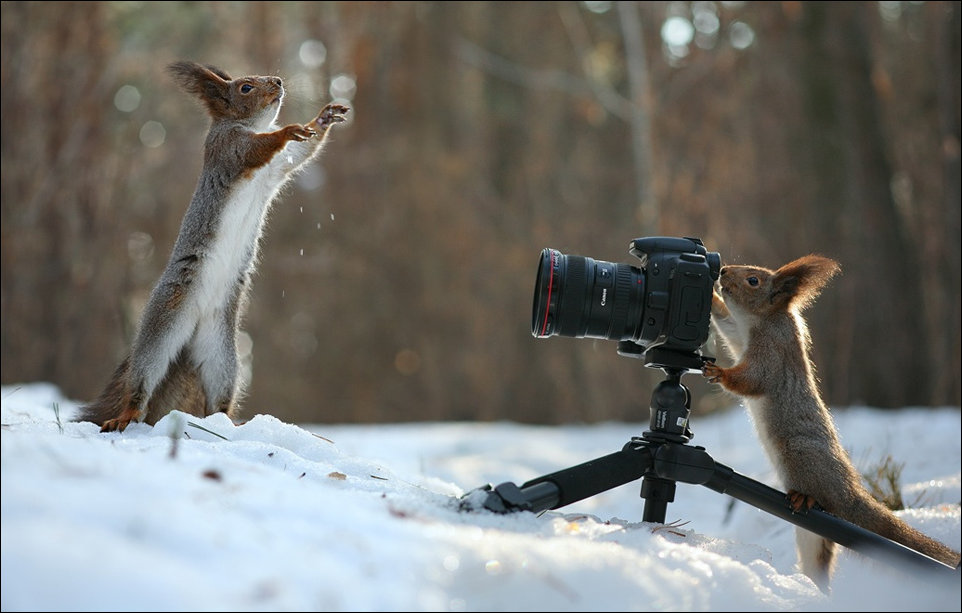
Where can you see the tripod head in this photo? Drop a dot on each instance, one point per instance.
(670, 400)
(665, 359)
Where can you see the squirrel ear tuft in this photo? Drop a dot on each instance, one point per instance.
(206, 82)
(217, 71)
(799, 282)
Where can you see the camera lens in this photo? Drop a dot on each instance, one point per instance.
(578, 296)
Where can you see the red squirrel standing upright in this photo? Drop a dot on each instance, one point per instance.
(184, 356)
(759, 318)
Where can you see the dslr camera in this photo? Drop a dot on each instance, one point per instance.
(662, 305)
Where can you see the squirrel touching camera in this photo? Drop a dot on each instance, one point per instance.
(759, 318)
(184, 355)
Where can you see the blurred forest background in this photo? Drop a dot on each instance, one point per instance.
(397, 274)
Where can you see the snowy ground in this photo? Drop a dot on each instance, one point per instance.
(202, 515)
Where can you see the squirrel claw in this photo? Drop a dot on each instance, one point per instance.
(798, 501)
(115, 425)
(120, 423)
(300, 133)
(712, 372)
(331, 114)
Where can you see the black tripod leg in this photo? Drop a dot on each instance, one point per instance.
(657, 493)
(569, 485)
(726, 481)
(693, 465)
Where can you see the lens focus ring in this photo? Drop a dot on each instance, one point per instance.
(571, 309)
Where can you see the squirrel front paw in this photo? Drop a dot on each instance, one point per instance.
(718, 307)
(330, 115)
(298, 133)
(713, 372)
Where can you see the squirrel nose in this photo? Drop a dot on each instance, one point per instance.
(276, 81)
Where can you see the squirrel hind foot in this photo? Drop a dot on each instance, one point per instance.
(799, 501)
(120, 423)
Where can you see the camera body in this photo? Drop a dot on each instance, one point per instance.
(664, 303)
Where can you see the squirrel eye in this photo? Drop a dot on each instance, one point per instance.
(246, 88)
(753, 281)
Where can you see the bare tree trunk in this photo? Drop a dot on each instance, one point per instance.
(639, 122)
(61, 302)
(943, 293)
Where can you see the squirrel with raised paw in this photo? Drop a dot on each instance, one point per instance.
(184, 355)
(759, 318)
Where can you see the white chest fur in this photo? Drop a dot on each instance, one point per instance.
(758, 411)
(234, 248)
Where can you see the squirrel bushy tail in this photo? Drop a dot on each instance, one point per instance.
(114, 400)
(876, 517)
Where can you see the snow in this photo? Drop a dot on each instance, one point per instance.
(203, 515)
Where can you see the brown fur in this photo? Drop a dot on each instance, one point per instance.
(759, 317)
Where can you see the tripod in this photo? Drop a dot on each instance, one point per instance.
(661, 457)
